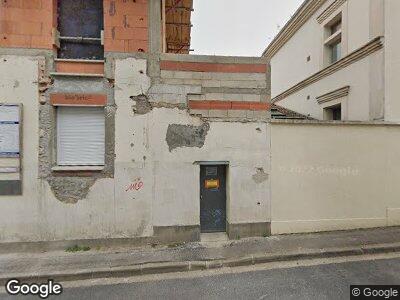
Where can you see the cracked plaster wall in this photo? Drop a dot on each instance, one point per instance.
(38, 215)
(70, 188)
(160, 142)
(153, 183)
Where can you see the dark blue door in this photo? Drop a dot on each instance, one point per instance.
(213, 198)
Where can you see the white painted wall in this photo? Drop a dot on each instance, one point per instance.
(365, 99)
(334, 177)
(18, 84)
(392, 61)
(358, 23)
(362, 21)
(289, 65)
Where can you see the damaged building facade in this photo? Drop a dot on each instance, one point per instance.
(110, 131)
(120, 133)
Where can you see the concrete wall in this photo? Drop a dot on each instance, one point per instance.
(159, 141)
(110, 206)
(240, 82)
(334, 176)
(362, 21)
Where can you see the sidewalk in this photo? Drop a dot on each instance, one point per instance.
(121, 262)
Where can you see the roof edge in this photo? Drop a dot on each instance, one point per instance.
(300, 17)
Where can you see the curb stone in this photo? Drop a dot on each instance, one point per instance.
(187, 266)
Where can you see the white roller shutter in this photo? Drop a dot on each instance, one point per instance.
(80, 136)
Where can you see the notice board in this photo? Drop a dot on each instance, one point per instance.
(10, 149)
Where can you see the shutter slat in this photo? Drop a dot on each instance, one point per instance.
(80, 136)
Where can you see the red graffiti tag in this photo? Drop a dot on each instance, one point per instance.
(136, 185)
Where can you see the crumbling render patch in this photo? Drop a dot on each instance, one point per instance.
(141, 104)
(260, 176)
(186, 136)
(71, 186)
(180, 106)
(71, 189)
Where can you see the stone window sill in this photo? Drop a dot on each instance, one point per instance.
(77, 168)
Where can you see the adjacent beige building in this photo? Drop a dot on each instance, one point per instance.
(337, 60)
(333, 175)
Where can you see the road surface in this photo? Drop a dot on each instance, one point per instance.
(296, 280)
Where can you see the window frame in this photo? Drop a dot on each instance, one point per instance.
(80, 39)
(78, 166)
(336, 51)
(329, 112)
(334, 31)
(333, 38)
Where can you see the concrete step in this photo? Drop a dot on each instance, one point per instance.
(214, 237)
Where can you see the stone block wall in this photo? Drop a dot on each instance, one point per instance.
(220, 87)
(155, 136)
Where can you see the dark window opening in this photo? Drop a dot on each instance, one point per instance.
(336, 26)
(333, 113)
(336, 53)
(337, 113)
(80, 23)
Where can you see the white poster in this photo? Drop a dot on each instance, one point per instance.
(9, 113)
(9, 130)
(9, 139)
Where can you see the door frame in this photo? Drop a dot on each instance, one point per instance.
(215, 163)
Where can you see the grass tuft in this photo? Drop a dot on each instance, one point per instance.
(77, 248)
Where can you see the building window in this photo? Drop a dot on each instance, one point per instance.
(333, 113)
(80, 23)
(80, 136)
(335, 27)
(333, 39)
(336, 51)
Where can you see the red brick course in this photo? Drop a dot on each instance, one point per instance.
(79, 67)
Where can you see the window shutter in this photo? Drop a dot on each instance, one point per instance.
(80, 136)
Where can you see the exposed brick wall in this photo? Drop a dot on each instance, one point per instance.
(27, 23)
(79, 67)
(126, 25)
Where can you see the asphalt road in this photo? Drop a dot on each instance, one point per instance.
(326, 281)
